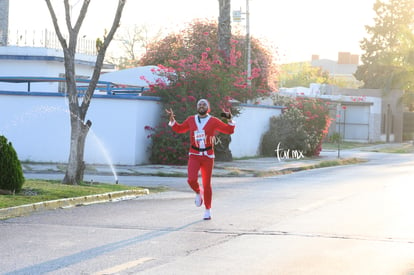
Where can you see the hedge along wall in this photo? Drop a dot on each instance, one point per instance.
(38, 126)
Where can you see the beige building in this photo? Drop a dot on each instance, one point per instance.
(341, 70)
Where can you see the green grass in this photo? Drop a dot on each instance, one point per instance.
(337, 162)
(322, 164)
(44, 190)
(397, 148)
(346, 145)
(400, 149)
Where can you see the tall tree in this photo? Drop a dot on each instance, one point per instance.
(386, 49)
(78, 111)
(224, 27)
(302, 74)
(133, 41)
(223, 152)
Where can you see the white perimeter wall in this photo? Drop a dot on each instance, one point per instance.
(39, 128)
(251, 125)
(39, 62)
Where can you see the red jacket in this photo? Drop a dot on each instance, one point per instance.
(203, 132)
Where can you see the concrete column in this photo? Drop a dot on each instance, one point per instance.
(4, 22)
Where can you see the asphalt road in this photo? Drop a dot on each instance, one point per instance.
(353, 219)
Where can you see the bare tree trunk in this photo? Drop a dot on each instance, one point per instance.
(223, 152)
(224, 27)
(76, 165)
(79, 129)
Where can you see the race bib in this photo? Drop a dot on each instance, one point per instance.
(199, 136)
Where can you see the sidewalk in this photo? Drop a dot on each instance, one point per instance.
(236, 168)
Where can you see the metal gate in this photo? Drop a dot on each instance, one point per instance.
(408, 126)
(352, 123)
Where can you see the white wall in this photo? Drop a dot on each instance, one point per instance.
(375, 119)
(251, 125)
(38, 126)
(38, 62)
(119, 125)
(28, 61)
(48, 69)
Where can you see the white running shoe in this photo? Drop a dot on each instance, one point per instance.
(198, 200)
(207, 214)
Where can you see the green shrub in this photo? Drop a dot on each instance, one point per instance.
(167, 147)
(286, 132)
(300, 128)
(11, 173)
(335, 138)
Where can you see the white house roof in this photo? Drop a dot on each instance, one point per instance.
(132, 76)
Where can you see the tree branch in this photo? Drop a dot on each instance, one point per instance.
(82, 15)
(100, 59)
(62, 40)
(67, 17)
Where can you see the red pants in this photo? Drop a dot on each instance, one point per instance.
(205, 164)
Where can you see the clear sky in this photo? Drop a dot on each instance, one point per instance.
(296, 29)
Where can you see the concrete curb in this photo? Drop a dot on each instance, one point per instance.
(22, 210)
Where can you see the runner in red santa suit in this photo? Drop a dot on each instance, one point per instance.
(203, 127)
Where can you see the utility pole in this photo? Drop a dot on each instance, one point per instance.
(4, 22)
(237, 18)
(248, 50)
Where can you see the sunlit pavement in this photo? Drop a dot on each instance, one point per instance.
(350, 220)
(353, 219)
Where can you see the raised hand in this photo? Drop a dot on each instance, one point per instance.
(226, 114)
(171, 115)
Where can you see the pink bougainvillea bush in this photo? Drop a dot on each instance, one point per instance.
(191, 67)
(186, 81)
